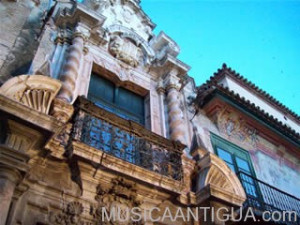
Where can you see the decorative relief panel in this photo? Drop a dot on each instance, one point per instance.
(233, 125)
(71, 215)
(121, 196)
(125, 50)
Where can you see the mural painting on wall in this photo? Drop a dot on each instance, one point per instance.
(235, 126)
(274, 172)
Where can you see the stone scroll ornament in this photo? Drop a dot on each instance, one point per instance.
(121, 196)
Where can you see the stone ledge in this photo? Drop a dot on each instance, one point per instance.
(27, 114)
(113, 163)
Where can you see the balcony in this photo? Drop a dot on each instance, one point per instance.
(264, 197)
(126, 140)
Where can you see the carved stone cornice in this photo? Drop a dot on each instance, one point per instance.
(78, 13)
(11, 159)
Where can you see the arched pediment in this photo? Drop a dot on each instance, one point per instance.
(216, 179)
(35, 91)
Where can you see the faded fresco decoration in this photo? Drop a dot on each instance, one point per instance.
(234, 126)
(273, 172)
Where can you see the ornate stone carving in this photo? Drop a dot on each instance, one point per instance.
(69, 216)
(121, 196)
(34, 91)
(125, 50)
(233, 125)
(62, 110)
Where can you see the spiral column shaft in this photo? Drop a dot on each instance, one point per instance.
(175, 115)
(70, 69)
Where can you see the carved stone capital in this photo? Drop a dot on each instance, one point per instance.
(81, 30)
(172, 82)
(160, 87)
(9, 173)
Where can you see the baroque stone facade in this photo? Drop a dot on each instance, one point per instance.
(70, 149)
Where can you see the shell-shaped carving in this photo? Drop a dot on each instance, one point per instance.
(74, 208)
(34, 91)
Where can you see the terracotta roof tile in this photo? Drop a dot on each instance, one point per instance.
(232, 73)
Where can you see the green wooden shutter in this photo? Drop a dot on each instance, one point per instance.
(101, 89)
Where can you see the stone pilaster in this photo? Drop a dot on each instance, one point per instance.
(62, 44)
(8, 180)
(176, 122)
(19, 139)
(161, 95)
(72, 64)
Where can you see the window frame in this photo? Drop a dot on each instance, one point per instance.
(233, 150)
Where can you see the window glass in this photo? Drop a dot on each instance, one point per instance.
(243, 165)
(239, 161)
(224, 155)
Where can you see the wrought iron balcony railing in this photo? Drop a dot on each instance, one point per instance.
(126, 140)
(264, 197)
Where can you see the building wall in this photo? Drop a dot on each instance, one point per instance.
(21, 24)
(62, 173)
(274, 160)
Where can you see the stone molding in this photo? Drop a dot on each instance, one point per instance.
(34, 91)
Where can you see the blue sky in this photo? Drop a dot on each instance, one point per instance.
(258, 39)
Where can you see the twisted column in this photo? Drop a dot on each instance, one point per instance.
(174, 112)
(72, 65)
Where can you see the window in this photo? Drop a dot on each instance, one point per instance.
(239, 161)
(118, 100)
